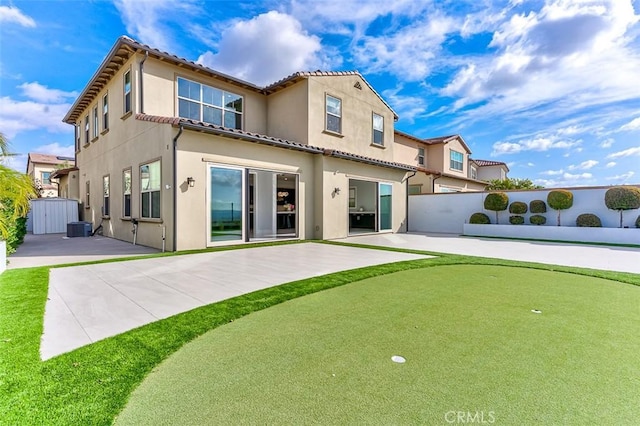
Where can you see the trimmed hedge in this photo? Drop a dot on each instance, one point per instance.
(588, 220)
(537, 206)
(496, 201)
(516, 220)
(560, 199)
(537, 219)
(622, 198)
(479, 219)
(518, 207)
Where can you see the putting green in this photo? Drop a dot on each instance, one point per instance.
(472, 344)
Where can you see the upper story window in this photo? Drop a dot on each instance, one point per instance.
(86, 130)
(77, 131)
(456, 160)
(378, 129)
(473, 173)
(421, 156)
(334, 114)
(127, 91)
(126, 193)
(105, 195)
(95, 122)
(205, 103)
(46, 178)
(105, 112)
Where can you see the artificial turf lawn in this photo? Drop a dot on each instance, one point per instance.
(92, 384)
(471, 342)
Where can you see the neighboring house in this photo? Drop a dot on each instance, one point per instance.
(490, 170)
(40, 168)
(199, 158)
(67, 179)
(443, 164)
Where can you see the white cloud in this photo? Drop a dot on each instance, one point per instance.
(10, 14)
(18, 116)
(623, 178)
(40, 93)
(632, 125)
(567, 180)
(626, 153)
(552, 172)
(530, 164)
(611, 164)
(547, 57)
(265, 49)
(607, 143)
(539, 143)
(56, 148)
(585, 165)
(406, 106)
(143, 19)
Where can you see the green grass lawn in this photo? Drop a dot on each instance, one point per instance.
(91, 385)
(471, 342)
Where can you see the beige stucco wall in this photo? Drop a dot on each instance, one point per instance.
(358, 106)
(35, 172)
(196, 151)
(160, 93)
(423, 179)
(491, 172)
(69, 186)
(457, 185)
(405, 151)
(288, 111)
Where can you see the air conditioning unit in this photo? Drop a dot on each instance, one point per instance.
(79, 229)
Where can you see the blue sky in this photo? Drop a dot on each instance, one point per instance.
(551, 87)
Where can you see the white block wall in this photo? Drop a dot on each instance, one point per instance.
(448, 212)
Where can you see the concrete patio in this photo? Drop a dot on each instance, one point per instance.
(89, 303)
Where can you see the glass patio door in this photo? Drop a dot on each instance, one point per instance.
(226, 209)
(384, 206)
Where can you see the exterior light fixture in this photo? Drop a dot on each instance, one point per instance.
(191, 181)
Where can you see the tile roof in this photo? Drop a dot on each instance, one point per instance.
(484, 163)
(125, 47)
(49, 158)
(266, 140)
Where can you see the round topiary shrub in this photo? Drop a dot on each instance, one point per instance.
(518, 207)
(588, 220)
(622, 198)
(497, 202)
(537, 219)
(516, 220)
(560, 199)
(538, 206)
(479, 219)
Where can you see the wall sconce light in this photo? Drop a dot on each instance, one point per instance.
(336, 191)
(191, 181)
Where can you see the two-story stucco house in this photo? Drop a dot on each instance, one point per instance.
(41, 169)
(444, 164)
(198, 158)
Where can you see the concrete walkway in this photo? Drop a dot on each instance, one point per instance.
(92, 302)
(58, 249)
(610, 258)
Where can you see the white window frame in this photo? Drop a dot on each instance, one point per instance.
(453, 162)
(473, 172)
(421, 156)
(337, 115)
(202, 105)
(86, 130)
(106, 189)
(105, 112)
(151, 191)
(87, 186)
(77, 131)
(126, 191)
(379, 131)
(96, 122)
(127, 97)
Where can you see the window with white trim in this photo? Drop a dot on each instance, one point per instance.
(126, 193)
(415, 189)
(421, 156)
(77, 131)
(456, 160)
(105, 195)
(86, 130)
(126, 87)
(473, 172)
(95, 122)
(378, 129)
(200, 102)
(88, 194)
(334, 114)
(105, 112)
(150, 190)
(46, 178)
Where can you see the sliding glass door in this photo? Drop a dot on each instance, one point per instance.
(226, 204)
(385, 206)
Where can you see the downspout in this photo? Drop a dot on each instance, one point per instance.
(146, 55)
(433, 183)
(407, 199)
(175, 188)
